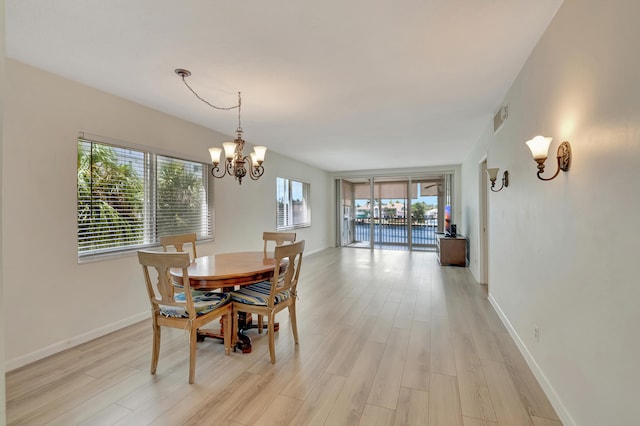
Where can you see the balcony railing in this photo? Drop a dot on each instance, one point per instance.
(395, 231)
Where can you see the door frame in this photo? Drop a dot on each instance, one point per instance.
(483, 219)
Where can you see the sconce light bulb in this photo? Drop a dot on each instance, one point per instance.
(493, 174)
(539, 147)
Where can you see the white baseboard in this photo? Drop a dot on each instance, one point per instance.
(551, 394)
(23, 360)
(309, 253)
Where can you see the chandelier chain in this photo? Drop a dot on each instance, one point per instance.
(207, 102)
(239, 129)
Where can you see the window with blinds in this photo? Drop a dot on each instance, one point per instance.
(129, 198)
(292, 201)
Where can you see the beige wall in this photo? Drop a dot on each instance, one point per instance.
(563, 253)
(55, 302)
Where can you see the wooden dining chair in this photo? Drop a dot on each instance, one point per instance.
(278, 237)
(178, 242)
(183, 310)
(269, 298)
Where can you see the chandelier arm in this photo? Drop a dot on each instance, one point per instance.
(215, 170)
(256, 172)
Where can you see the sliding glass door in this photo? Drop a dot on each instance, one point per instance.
(424, 212)
(393, 212)
(355, 212)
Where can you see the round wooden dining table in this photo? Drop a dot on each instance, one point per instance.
(226, 271)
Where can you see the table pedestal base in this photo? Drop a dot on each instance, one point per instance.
(245, 322)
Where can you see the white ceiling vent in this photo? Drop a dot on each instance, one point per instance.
(500, 117)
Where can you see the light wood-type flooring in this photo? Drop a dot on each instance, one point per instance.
(386, 338)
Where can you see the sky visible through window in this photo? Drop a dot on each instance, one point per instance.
(296, 191)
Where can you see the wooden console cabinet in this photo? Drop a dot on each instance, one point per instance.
(451, 250)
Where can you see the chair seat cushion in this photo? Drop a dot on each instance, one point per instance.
(203, 302)
(258, 294)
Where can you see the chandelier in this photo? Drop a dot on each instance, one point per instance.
(236, 162)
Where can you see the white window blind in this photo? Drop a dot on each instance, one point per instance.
(282, 202)
(181, 197)
(292, 201)
(129, 198)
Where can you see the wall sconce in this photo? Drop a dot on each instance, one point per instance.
(539, 147)
(493, 175)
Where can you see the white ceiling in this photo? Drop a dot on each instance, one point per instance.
(338, 84)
